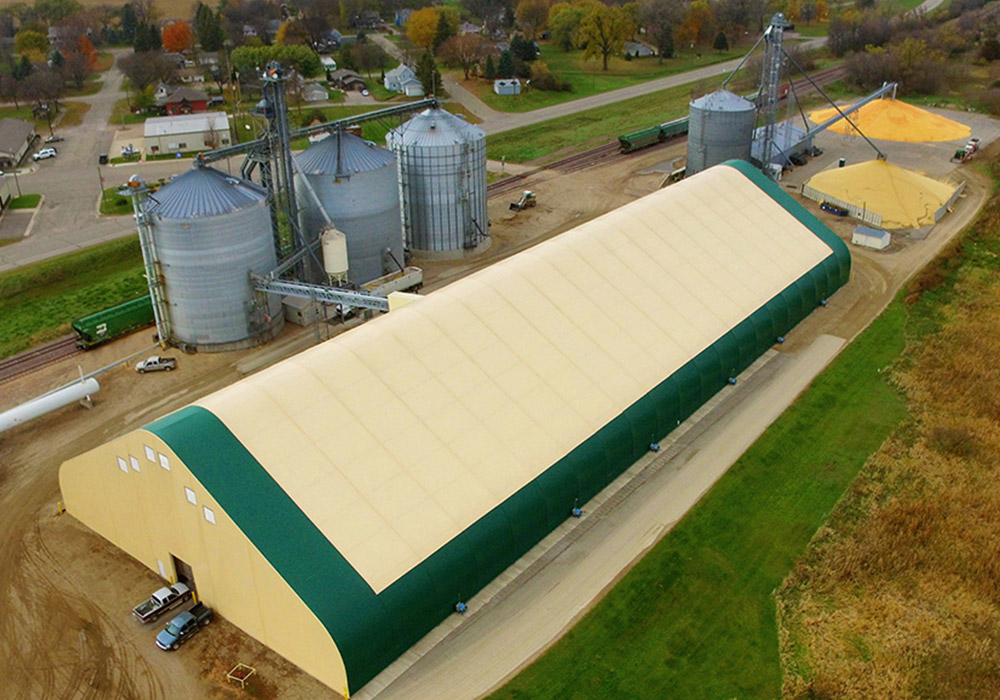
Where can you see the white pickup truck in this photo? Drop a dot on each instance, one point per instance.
(156, 363)
(160, 602)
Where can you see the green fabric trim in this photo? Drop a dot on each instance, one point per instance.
(371, 630)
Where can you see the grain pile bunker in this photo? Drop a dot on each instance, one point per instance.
(210, 231)
(720, 128)
(337, 505)
(357, 184)
(442, 181)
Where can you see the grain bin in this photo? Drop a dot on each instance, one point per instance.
(720, 128)
(210, 230)
(356, 182)
(442, 181)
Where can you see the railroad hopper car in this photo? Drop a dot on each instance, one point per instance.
(114, 322)
(643, 138)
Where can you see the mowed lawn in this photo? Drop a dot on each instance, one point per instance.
(587, 77)
(695, 619)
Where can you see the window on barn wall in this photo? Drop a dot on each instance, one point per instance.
(123, 465)
(135, 463)
(150, 454)
(164, 462)
(192, 499)
(209, 515)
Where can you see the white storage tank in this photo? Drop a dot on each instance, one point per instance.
(720, 128)
(210, 231)
(356, 182)
(335, 260)
(442, 181)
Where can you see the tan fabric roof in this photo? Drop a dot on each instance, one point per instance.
(396, 436)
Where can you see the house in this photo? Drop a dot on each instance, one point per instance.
(191, 75)
(329, 65)
(161, 92)
(183, 133)
(16, 137)
(367, 19)
(403, 79)
(330, 41)
(402, 16)
(208, 58)
(347, 80)
(638, 49)
(177, 58)
(185, 100)
(511, 86)
(469, 28)
(249, 31)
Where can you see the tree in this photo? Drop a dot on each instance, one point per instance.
(178, 37)
(443, 32)
(421, 28)
(249, 61)
(10, 88)
(55, 11)
(129, 22)
(428, 74)
(365, 56)
(490, 70)
(465, 51)
(77, 67)
(605, 29)
(509, 17)
(523, 49)
(32, 44)
(721, 42)
(564, 23)
(207, 28)
(990, 50)
(144, 69)
(23, 68)
(699, 24)
(532, 16)
(506, 67)
(147, 38)
(292, 32)
(56, 60)
(660, 18)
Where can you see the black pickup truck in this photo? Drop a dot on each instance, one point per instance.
(184, 626)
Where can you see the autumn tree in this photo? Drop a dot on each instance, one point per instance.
(32, 44)
(698, 26)
(564, 22)
(532, 16)
(465, 51)
(604, 29)
(421, 28)
(291, 32)
(178, 37)
(660, 18)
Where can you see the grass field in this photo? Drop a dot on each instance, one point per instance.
(898, 595)
(121, 115)
(38, 302)
(72, 114)
(587, 77)
(591, 127)
(113, 204)
(25, 201)
(695, 618)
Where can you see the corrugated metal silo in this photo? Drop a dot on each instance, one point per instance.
(356, 182)
(442, 181)
(720, 128)
(210, 230)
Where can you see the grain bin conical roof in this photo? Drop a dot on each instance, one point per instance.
(204, 191)
(435, 127)
(343, 154)
(723, 101)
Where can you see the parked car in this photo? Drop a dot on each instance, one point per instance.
(155, 363)
(102, 159)
(45, 153)
(161, 601)
(55, 138)
(183, 627)
(216, 101)
(364, 91)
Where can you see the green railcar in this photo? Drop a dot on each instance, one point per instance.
(674, 128)
(639, 139)
(114, 322)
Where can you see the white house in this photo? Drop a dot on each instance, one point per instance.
(314, 92)
(328, 63)
(638, 49)
(507, 86)
(183, 133)
(403, 79)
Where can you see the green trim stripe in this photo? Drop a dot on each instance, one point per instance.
(371, 630)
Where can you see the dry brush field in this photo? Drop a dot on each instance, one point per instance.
(899, 595)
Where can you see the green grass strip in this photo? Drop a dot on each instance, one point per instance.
(38, 302)
(695, 618)
(25, 201)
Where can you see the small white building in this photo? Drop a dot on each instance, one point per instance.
(638, 49)
(507, 86)
(871, 238)
(314, 92)
(183, 133)
(328, 63)
(403, 79)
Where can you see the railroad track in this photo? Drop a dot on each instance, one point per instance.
(36, 358)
